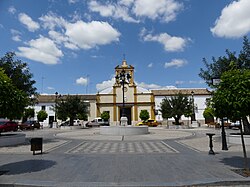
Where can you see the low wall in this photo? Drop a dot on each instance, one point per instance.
(123, 130)
(11, 139)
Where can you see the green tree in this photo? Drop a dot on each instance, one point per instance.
(144, 115)
(19, 73)
(28, 113)
(42, 115)
(70, 107)
(232, 100)
(224, 63)
(175, 107)
(220, 65)
(232, 97)
(105, 116)
(208, 114)
(12, 100)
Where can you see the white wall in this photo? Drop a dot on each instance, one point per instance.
(199, 103)
(48, 109)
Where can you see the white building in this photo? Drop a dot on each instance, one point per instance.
(135, 99)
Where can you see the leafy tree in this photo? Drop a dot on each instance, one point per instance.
(19, 73)
(82, 116)
(232, 100)
(144, 115)
(208, 114)
(175, 107)
(12, 100)
(70, 107)
(232, 97)
(42, 115)
(220, 65)
(105, 116)
(28, 113)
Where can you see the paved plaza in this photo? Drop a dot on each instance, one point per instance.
(83, 157)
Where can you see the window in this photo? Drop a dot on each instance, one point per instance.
(43, 107)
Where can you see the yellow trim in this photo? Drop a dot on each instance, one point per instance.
(135, 105)
(114, 106)
(152, 107)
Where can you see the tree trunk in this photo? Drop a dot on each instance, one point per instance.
(71, 121)
(246, 125)
(177, 121)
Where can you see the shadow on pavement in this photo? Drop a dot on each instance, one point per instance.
(235, 161)
(26, 166)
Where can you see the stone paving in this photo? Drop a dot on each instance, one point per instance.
(85, 158)
(91, 147)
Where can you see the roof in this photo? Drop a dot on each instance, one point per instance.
(186, 91)
(52, 98)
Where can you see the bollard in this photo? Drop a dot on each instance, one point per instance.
(211, 152)
(36, 145)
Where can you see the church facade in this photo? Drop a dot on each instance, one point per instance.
(126, 98)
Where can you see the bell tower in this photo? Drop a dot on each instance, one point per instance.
(128, 70)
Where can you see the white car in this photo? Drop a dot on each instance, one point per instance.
(97, 122)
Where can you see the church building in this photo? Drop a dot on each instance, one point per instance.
(125, 98)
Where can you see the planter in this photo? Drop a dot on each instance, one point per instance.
(234, 138)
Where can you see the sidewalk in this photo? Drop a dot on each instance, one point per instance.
(86, 158)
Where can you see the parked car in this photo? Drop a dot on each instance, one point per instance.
(6, 126)
(97, 122)
(149, 122)
(30, 124)
(234, 125)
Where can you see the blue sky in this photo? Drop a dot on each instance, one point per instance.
(73, 46)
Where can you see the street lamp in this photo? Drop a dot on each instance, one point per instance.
(123, 78)
(193, 110)
(216, 82)
(55, 105)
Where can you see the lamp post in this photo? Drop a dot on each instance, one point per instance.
(55, 105)
(193, 110)
(216, 82)
(123, 78)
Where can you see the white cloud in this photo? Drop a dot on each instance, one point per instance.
(111, 82)
(150, 65)
(28, 22)
(165, 10)
(82, 81)
(70, 34)
(179, 82)
(132, 10)
(41, 50)
(170, 43)
(95, 33)
(105, 84)
(12, 10)
(50, 88)
(126, 2)
(175, 63)
(153, 86)
(117, 11)
(51, 21)
(60, 38)
(234, 20)
(72, 1)
(15, 35)
(196, 82)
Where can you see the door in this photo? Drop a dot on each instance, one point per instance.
(127, 113)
